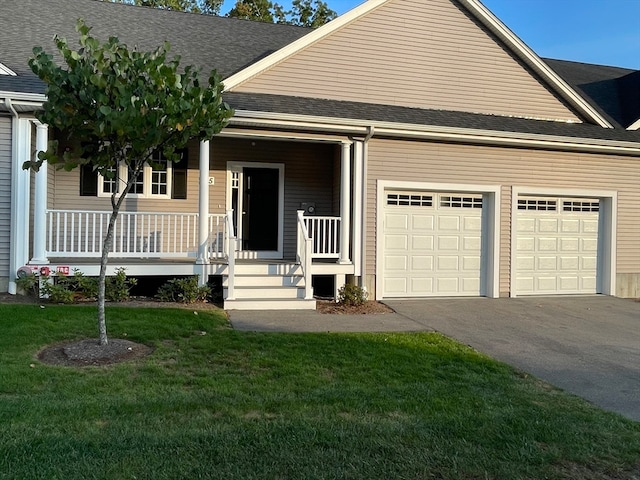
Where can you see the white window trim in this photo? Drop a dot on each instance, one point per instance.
(146, 182)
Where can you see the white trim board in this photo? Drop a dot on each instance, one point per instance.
(490, 227)
(607, 240)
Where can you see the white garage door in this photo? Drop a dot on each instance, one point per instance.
(432, 244)
(556, 245)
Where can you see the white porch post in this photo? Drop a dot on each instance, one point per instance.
(358, 181)
(203, 208)
(20, 192)
(40, 200)
(345, 202)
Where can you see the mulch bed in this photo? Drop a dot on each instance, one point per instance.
(89, 352)
(370, 307)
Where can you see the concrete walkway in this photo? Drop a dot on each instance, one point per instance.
(587, 345)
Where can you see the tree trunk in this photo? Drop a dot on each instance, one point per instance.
(106, 247)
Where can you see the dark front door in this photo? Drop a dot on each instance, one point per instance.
(260, 209)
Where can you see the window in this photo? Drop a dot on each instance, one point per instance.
(461, 202)
(409, 199)
(163, 179)
(539, 205)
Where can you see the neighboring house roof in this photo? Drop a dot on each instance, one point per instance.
(231, 45)
(614, 91)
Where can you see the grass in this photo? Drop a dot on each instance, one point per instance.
(237, 405)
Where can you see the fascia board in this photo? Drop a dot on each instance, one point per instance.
(19, 97)
(252, 70)
(484, 15)
(433, 132)
(4, 70)
(635, 125)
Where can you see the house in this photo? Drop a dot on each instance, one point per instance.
(418, 148)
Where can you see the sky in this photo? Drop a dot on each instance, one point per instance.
(605, 32)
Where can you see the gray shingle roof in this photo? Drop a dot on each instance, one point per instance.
(208, 42)
(419, 116)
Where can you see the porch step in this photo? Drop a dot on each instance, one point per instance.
(267, 286)
(270, 304)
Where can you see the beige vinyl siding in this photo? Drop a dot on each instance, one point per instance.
(5, 200)
(415, 53)
(308, 170)
(460, 164)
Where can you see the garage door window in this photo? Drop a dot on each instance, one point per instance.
(573, 206)
(409, 200)
(461, 202)
(537, 205)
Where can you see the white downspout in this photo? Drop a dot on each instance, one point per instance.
(363, 236)
(20, 186)
(40, 200)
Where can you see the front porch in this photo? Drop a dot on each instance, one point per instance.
(167, 244)
(247, 200)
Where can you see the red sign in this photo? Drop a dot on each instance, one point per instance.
(63, 269)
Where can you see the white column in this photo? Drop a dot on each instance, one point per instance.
(203, 208)
(358, 181)
(345, 202)
(20, 191)
(40, 201)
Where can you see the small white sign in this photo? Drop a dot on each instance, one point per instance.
(212, 180)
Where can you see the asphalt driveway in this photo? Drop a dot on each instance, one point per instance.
(589, 346)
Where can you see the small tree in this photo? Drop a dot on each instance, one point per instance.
(118, 106)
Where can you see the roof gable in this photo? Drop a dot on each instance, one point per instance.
(415, 53)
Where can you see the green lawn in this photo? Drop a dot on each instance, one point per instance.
(237, 405)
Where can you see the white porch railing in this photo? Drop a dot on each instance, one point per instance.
(230, 252)
(78, 233)
(304, 253)
(325, 235)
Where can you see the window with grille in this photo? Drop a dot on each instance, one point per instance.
(536, 204)
(461, 202)
(409, 199)
(580, 206)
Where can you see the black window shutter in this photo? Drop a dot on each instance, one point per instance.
(179, 181)
(88, 181)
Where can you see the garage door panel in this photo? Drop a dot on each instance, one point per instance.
(448, 263)
(471, 244)
(447, 242)
(570, 226)
(471, 264)
(396, 242)
(547, 244)
(396, 262)
(556, 246)
(421, 263)
(589, 226)
(422, 242)
(548, 225)
(396, 221)
(448, 223)
(422, 222)
(421, 286)
(440, 243)
(396, 285)
(547, 263)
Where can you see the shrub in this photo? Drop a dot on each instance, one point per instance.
(117, 287)
(352, 295)
(29, 284)
(57, 289)
(183, 290)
